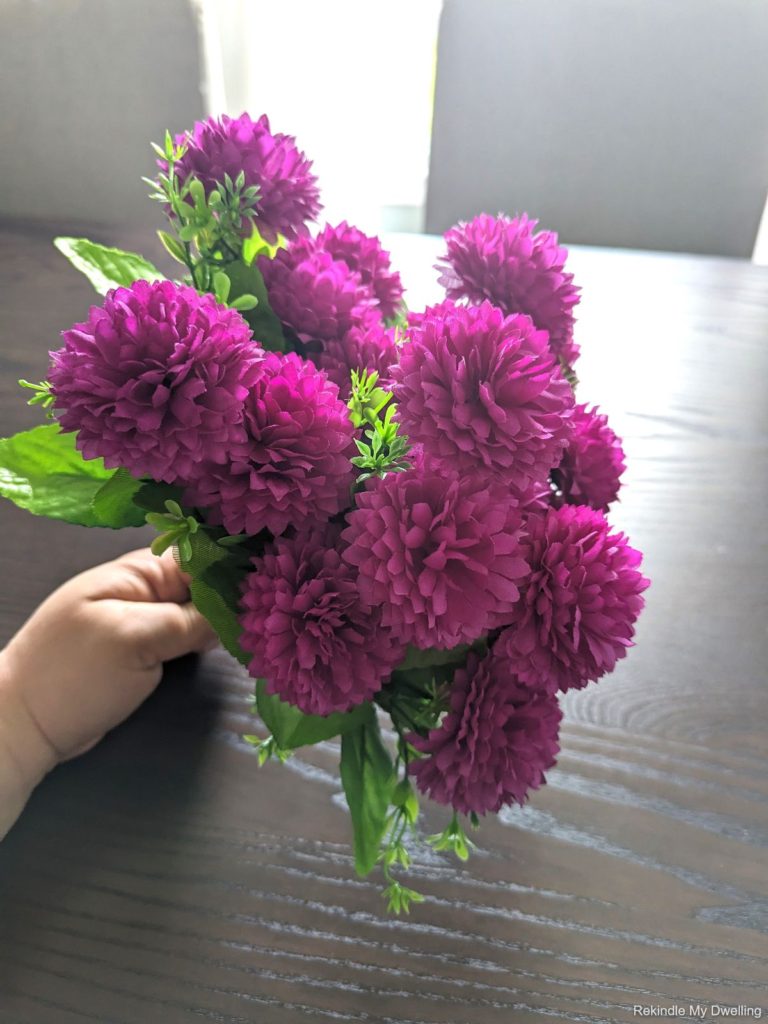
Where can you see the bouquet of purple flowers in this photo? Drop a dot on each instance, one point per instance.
(378, 508)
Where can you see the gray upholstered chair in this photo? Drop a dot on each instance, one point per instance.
(640, 123)
(85, 86)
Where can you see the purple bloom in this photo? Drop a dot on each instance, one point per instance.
(367, 346)
(590, 472)
(365, 255)
(318, 297)
(503, 260)
(577, 610)
(439, 554)
(482, 391)
(311, 637)
(493, 746)
(154, 380)
(293, 465)
(288, 195)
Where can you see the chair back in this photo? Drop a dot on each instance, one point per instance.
(640, 124)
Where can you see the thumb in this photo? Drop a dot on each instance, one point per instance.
(173, 630)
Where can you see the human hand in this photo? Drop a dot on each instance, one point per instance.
(86, 658)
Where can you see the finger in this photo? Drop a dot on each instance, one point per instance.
(158, 579)
(172, 630)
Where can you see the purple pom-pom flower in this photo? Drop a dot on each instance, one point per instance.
(481, 391)
(505, 260)
(154, 380)
(293, 465)
(317, 645)
(592, 464)
(493, 746)
(318, 297)
(439, 554)
(288, 195)
(364, 254)
(577, 610)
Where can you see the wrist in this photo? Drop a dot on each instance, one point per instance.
(26, 756)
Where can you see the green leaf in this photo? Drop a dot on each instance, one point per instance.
(368, 777)
(292, 728)
(255, 245)
(221, 286)
(106, 268)
(266, 328)
(113, 503)
(243, 303)
(217, 575)
(173, 246)
(43, 472)
(161, 544)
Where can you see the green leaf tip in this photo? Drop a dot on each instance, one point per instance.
(106, 268)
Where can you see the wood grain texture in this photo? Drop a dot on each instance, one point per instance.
(164, 877)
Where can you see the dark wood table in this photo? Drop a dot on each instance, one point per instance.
(165, 878)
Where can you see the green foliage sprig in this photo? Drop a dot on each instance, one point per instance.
(394, 852)
(206, 230)
(367, 400)
(41, 395)
(175, 527)
(453, 838)
(383, 449)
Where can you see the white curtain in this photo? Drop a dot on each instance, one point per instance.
(353, 81)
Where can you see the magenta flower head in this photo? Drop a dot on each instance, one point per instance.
(367, 346)
(493, 746)
(440, 555)
(592, 464)
(154, 380)
(365, 255)
(311, 637)
(288, 194)
(521, 271)
(577, 610)
(293, 465)
(318, 297)
(482, 391)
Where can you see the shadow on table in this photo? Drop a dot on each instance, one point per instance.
(100, 823)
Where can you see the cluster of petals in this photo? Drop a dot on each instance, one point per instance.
(319, 298)
(507, 261)
(288, 196)
(312, 638)
(154, 380)
(292, 465)
(481, 391)
(592, 464)
(439, 553)
(577, 610)
(494, 744)
(365, 255)
(367, 346)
